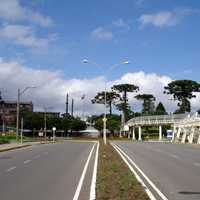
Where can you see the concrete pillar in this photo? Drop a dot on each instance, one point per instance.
(184, 136)
(160, 133)
(129, 134)
(198, 140)
(191, 138)
(178, 134)
(174, 133)
(140, 133)
(133, 133)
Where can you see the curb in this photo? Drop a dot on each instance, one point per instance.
(13, 148)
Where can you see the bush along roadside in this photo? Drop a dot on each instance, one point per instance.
(114, 180)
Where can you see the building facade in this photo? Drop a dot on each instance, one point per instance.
(8, 110)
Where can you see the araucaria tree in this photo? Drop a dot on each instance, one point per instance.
(111, 97)
(183, 91)
(124, 89)
(148, 106)
(160, 109)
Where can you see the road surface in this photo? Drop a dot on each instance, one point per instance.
(173, 168)
(46, 172)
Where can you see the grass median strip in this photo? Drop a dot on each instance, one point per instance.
(114, 180)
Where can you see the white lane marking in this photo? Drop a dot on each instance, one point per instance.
(78, 189)
(174, 156)
(11, 168)
(149, 193)
(94, 176)
(37, 156)
(158, 150)
(197, 164)
(27, 161)
(144, 175)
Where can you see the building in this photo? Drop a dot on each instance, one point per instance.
(49, 114)
(8, 110)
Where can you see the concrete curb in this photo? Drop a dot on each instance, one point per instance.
(13, 148)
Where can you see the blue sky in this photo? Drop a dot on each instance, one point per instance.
(156, 36)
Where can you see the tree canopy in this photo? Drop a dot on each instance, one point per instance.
(183, 91)
(111, 98)
(148, 106)
(160, 109)
(124, 89)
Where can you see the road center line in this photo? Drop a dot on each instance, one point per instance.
(27, 161)
(196, 164)
(94, 176)
(78, 189)
(11, 168)
(37, 156)
(143, 174)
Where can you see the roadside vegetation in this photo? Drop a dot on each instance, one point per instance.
(114, 180)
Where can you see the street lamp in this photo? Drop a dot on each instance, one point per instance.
(86, 61)
(19, 93)
(45, 120)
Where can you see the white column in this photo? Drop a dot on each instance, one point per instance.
(174, 133)
(198, 140)
(178, 134)
(129, 134)
(160, 133)
(133, 133)
(140, 133)
(192, 135)
(184, 136)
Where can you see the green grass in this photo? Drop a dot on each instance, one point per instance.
(114, 179)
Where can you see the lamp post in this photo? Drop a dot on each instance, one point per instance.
(86, 61)
(45, 120)
(19, 93)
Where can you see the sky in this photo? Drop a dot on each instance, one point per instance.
(43, 43)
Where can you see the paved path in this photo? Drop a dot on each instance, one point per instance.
(46, 172)
(173, 168)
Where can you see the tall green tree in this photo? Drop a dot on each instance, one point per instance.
(111, 98)
(124, 89)
(160, 109)
(183, 91)
(148, 106)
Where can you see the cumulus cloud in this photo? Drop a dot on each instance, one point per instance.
(120, 23)
(12, 10)
(23, 35)
(165, 18)
(52, 87)
(101, 33)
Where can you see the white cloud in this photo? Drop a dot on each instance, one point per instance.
(120, 23)
(12, 10)
(101, 34)
(139, 2)
(52, 87)
(164, 18)
(23, 35)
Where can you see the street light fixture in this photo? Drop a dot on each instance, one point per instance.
(86, 61)
(19, 93)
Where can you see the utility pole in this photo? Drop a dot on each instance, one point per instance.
(18, 102)
(72, 111)
(67, 104)
(22, 128)
(45, 124)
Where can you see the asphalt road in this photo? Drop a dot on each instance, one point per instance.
(173, 168)
(46, 172)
